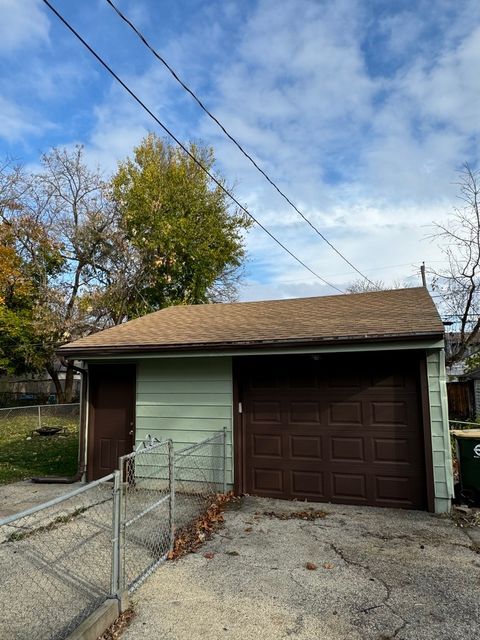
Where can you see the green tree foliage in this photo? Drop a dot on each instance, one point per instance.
(186, 242)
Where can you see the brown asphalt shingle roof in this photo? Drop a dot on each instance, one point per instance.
(358, 317)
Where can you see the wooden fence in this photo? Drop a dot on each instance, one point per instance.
(460, 400)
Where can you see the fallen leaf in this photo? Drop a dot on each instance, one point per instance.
(209, 555)
(328, 565)
(296, 515)
(311, 566)
(248, 529)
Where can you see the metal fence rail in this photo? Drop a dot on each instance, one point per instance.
(60, 560)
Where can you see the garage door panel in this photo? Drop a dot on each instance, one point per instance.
(394, 490)
(302, 411)
(393, 412)
(266, 411)
(395, 416)
(389, 380)
(391, 374)
(392, 450)
(268, 481)
(307, 484)
(349, 486)
(266, 444)
(347, 449)
(345, 412)
(305, 447)
(344, 380)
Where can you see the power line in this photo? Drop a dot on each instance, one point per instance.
(460, 315)
(182, 146)
(231, 138)
(341, 275)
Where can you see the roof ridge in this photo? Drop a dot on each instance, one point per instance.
(295, 299)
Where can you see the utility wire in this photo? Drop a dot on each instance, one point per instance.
(232, 139)
(182, 146)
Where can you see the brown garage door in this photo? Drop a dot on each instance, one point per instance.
(339, 429)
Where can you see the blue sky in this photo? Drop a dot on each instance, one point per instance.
(361, 110)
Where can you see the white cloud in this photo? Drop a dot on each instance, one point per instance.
(448, 92)
(17, 122)
(21, 25)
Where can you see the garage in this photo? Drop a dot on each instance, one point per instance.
(338, 429)
(331, 399)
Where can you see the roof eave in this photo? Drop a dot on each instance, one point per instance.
(105, 350)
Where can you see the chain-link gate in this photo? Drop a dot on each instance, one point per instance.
(59, 561)
(162, 491)
(145, 527)
(56, 563)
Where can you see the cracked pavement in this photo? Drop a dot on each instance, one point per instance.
(381, 573)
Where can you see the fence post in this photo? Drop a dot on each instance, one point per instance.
(224, 460)
(171, 483)
(39, 417)
(116, 581)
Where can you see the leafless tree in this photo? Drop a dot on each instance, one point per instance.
(457, 285)
(363, 286)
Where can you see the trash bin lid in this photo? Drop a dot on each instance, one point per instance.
(466, 433)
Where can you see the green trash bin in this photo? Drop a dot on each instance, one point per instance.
(468, 455)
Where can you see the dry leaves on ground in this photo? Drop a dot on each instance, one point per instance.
(116, 629)
(189, 538)
(311, 566)
(465, 516)
(309, 514)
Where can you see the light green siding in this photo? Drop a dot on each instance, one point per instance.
(442, 455)
(185, 399)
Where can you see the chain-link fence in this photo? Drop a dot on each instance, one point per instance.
(42, 416)
(199, 474)
(59, 561)
(55, 563)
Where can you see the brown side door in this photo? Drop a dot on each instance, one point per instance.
(111, 428)
(344, 429)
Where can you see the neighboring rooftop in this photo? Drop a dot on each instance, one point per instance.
(360, 317)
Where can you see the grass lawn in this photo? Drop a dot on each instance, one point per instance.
(24, 454)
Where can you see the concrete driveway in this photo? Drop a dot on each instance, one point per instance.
(380, 574)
